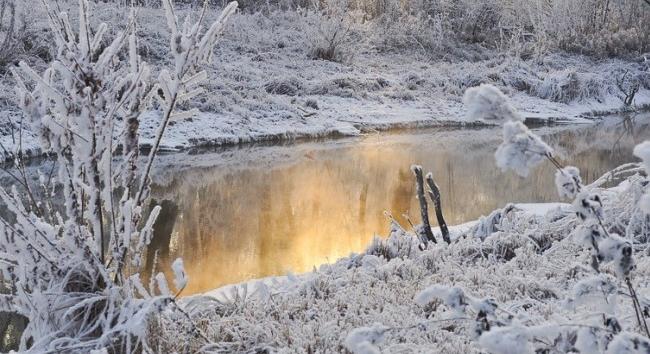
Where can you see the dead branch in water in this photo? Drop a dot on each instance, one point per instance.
(424, 208)
(434, 194)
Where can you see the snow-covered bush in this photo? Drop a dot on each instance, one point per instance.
(362, 340)
(567, 182)
(331, 31)
(75, 274)
(486, 102)
(18, 40)
(567, 86)
(597, 27)
(521, 150)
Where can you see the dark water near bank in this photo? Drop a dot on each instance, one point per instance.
(255, 211)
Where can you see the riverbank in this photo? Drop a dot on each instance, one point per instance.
(265, 85)
(526, 260)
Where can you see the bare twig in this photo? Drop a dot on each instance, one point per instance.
(637, 307)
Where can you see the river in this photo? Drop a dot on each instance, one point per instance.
(239, 213)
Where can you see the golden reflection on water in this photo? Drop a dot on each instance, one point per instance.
(234, 224)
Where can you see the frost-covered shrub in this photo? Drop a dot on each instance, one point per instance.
(567, 182)
(595, 27)
(507, 340)
(567, 86)
(75, 274)
(486, 102)
(18, 40)
(608, 42)
(412, 31)
(332, 32)
(398, 244)
(487, 225)
(521, 150)
(289, 87)
(362, 340)
(642, 151)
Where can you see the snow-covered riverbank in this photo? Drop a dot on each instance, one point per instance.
(529, 264)
(358, 100)
(263, 85)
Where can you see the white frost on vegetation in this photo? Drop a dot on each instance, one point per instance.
(452, 297)
(588, 205)
(507, 340)
(364, 340)
(568, 181)
(619, 251)
(521, 149)
(644, 203)
(642, 151)
(629, 343)
(180, 277)
(488, 103)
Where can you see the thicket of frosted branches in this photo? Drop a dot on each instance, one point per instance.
(74, 274)
(523, 27)
(448, 29)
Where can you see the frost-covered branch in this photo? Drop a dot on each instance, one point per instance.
(76, 271)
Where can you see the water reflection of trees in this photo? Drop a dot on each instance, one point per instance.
(253, 222)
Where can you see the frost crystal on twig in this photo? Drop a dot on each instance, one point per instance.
(487, 102)
(521, 150)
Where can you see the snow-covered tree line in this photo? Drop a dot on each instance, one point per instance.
(338, 28)
(523, 27)
(597, 27)
(74, 274)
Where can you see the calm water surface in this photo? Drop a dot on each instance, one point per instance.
(242, 213)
